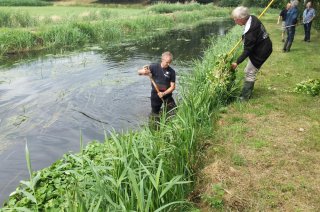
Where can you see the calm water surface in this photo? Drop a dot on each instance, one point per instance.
(49, 100)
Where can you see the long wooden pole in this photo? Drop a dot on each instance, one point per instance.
(153, 82)
(155, 85)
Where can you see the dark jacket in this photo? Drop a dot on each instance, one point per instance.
(257, 44)
(283, 14)
(292, 16)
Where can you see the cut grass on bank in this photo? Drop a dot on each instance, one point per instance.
(266, 153)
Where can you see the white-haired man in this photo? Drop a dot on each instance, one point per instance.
(291, 21)
(257, 46)
(308, 15)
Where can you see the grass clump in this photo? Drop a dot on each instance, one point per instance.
(215, 199)
(16, 19)
(170, 8)
(17, 39)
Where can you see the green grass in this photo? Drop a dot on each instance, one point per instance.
(170, 8)
(276, 133)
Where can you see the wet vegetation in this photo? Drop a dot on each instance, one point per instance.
(141, 171)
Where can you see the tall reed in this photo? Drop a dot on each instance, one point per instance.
(10, 18)
(162, 7)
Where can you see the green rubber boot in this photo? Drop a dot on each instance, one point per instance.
(246, 91)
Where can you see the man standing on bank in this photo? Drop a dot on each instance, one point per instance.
(165, 80)
(256, 45)
(291, 22)
(283, 16)
(308, 15)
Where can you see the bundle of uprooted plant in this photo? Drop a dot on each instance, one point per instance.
(310, 87)
(222, 77)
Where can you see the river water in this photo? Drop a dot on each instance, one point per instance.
(50, 100)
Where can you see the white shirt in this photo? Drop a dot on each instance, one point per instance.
(247, 26)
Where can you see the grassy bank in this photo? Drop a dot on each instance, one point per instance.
(266, 153)
(25, 32)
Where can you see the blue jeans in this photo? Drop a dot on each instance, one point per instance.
(307, 30)
(291, 31)
(290, 37)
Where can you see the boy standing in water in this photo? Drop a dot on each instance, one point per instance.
(164, 78)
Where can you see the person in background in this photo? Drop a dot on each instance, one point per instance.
(257, 46)
(308, 15)
(165, 81)
(282, 17)
(291, 21)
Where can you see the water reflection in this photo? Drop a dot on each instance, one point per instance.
(185, 45)
(49, 100)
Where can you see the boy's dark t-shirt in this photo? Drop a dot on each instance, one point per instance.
(162, 77)
(283, 14)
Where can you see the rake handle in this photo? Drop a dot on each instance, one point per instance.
(153, 82)
(155, 86)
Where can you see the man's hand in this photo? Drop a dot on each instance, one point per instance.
(161, 94)
(144, 71)
(234, 66)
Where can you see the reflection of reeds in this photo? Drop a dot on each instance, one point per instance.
(140, 171)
